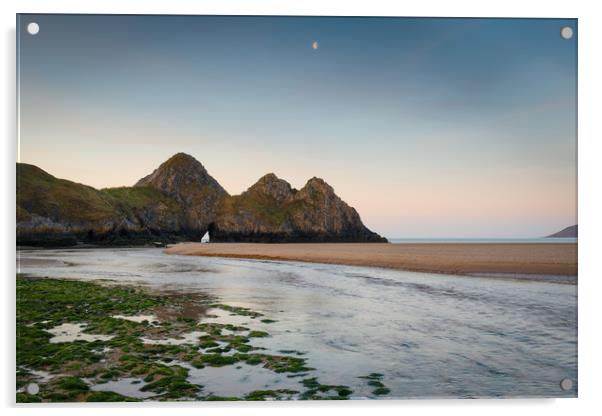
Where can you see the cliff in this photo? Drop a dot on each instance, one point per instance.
(188, 183)
(180, 201)
(272, 211)
(568, 232)
(58, 212)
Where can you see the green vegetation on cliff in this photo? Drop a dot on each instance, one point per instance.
(271, 211)
(41, 194)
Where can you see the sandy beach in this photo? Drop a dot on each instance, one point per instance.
(520, 258)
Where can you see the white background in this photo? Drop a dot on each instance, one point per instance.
(590, 207)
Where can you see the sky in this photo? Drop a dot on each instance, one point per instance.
(429, 127)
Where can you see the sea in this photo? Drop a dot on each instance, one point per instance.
(541, 240)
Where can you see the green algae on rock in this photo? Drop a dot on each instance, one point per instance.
(374, 380)
(72, 370)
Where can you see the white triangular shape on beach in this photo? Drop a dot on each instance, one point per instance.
(205, 238)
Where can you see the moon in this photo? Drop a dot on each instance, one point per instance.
(315, 45)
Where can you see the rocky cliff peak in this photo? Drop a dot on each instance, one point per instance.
(272, 211)
(319, 185)
(268, 178)
(272, 186)
(185, 179)
(317, 190)
(180, 176)
(183, 160)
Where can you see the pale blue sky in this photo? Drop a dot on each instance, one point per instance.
(428, 127)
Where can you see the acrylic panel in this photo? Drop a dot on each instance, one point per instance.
(295, 208)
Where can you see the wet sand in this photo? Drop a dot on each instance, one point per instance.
(509, 258)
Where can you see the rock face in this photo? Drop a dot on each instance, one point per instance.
(272, 211)
(180, 201)
(53, 210)
(58, 212)
(184, 179)
(568, 232)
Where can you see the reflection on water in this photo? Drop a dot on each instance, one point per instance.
(138, 318)
(129, 387)
(188, 338)
(238, 380)
(69, 332)
(430, 335)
